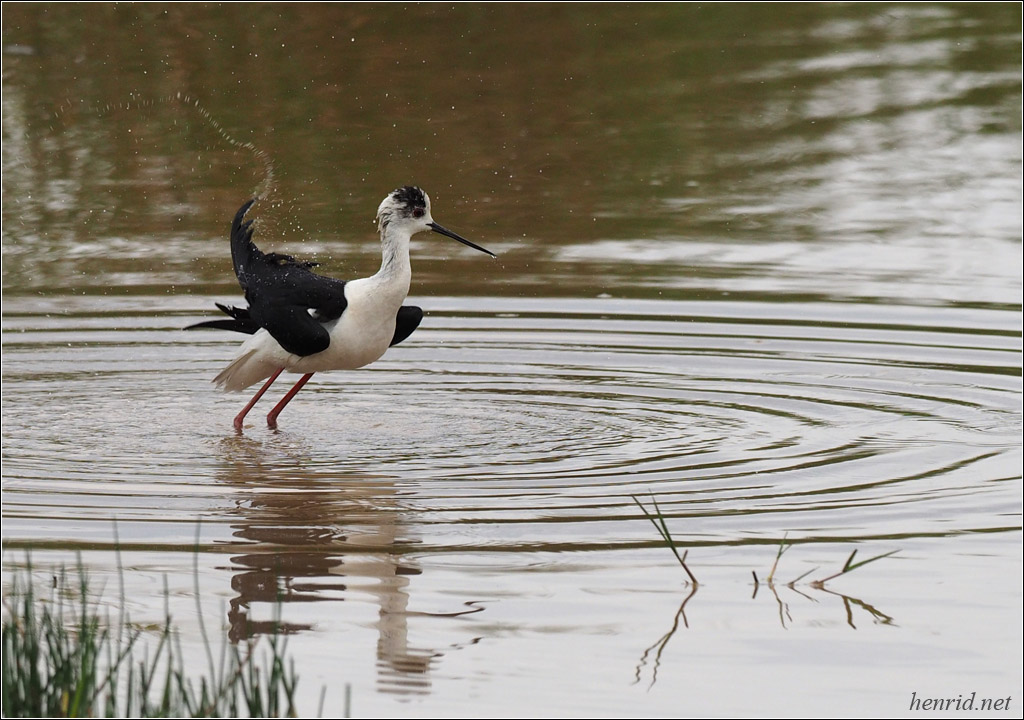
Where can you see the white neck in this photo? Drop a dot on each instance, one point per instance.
(395, 270)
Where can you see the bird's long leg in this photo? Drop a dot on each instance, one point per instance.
(255, 398)
(272, 415)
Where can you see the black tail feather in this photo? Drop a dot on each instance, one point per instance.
(242, 322)
(243, 326)
(236, 312)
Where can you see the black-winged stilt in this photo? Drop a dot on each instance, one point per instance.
(306, 323)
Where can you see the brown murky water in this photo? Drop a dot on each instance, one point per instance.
(759, 263)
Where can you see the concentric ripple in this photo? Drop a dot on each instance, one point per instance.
(527, 424)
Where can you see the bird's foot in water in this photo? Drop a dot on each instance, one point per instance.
(272, 415)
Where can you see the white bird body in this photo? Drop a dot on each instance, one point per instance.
(359, 337)
(306, 323)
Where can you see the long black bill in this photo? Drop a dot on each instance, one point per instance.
(444, 231)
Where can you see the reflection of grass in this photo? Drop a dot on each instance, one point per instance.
(62, 659)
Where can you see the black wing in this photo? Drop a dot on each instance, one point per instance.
(284, 295)
(408, 319)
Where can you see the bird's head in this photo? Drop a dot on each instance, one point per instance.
(408, 209)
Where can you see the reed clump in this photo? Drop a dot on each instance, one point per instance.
(63, 657)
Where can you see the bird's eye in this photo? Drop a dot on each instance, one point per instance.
(418, 213)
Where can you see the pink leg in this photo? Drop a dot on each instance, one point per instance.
(272, 415)
(255, 398)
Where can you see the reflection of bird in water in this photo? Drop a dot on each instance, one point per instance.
(313, 545)
(306, 323)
